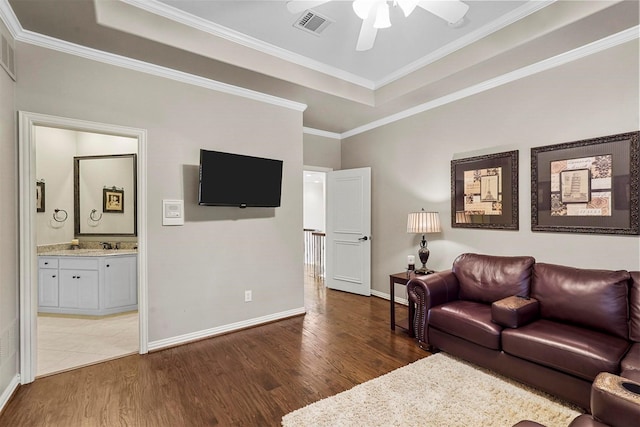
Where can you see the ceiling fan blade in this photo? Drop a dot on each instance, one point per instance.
(297, 6)
(368, 32)
(451, 11)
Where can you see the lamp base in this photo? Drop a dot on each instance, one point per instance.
(423, 271)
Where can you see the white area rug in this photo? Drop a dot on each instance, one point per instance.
(438, 390)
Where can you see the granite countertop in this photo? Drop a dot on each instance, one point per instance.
(88, 252)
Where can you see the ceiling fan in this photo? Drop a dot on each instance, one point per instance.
(375, 13)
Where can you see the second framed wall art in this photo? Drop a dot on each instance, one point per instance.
(588, 186)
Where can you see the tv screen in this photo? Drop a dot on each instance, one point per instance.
(235, 180)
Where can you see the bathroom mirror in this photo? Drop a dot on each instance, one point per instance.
(105, 195)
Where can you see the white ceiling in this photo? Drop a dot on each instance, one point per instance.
(408, 44)
(420, 62)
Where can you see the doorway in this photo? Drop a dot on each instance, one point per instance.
(314, 220)
(69, 337)
(29, 124)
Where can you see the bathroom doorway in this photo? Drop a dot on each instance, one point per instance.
(61, 338)
(71, 333)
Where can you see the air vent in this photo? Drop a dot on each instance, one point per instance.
(7, 60)
(312, 22)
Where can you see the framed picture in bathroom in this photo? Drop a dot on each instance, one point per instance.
(113, 200)
(40, 196)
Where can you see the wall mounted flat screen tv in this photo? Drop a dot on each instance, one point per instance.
(235, 180)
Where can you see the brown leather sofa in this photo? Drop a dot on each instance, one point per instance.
(615, 402)
(550, 326)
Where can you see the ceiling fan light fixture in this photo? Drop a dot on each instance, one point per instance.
(407, 6)
(362, 8)
(382, 16)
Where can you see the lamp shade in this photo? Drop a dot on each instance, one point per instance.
(423, 222)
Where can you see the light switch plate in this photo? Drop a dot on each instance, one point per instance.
(173, 212)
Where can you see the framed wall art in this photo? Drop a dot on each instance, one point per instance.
(484, 191)
(588, 186)
(113, 200)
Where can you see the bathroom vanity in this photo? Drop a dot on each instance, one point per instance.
(87, 281)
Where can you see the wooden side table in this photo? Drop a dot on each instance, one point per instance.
(400, 279)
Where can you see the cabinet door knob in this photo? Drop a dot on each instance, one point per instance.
(107, 265)
(53, 275)
(46, 263)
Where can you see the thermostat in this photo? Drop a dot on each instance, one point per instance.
(173, 212)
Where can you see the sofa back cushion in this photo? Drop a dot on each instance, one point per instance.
(597, 299)
(486, 278)
(634, 307)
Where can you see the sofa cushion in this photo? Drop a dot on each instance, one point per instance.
(486, 278)
(597, 299)
(572, 349)
(467, 320)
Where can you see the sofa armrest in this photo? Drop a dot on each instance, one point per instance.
(514, 311)
(615, 400)
(429, 291)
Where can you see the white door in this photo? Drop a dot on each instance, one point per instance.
(348, 246)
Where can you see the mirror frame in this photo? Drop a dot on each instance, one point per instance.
(76, 194)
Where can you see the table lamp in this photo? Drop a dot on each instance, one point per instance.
(422, 223)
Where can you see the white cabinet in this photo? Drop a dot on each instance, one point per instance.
(48, 282)
(78, 289)
(90, 285)
(120, 276)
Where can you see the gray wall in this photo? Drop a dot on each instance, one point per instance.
(321, 151)
(8, 232)
(410, 162)
(197, 272)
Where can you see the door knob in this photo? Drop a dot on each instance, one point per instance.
(363, 239)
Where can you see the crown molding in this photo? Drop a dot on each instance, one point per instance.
(521, 73)
(9, 18)
(182, 17)
(36, 39)
(498, 24)
(185, 18)
(323, 133)
(19, 34)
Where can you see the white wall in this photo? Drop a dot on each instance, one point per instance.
(314, 201)
(197, 273)
(55, 149)
(9, 243)
(410, 162)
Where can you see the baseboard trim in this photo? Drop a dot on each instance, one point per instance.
(8, 392)
(386, 296)
(232, 327)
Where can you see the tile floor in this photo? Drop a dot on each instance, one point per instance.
(70, 342)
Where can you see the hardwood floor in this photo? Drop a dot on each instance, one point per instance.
(247, 378)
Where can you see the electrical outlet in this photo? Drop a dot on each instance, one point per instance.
(247, 296)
